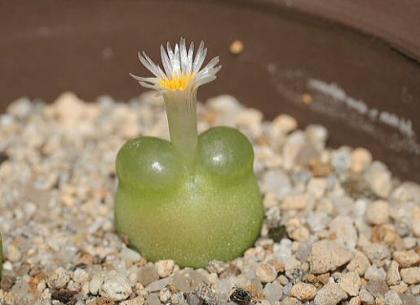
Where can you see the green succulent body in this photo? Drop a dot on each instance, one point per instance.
(170, 210)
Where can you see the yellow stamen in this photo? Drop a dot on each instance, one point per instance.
(177, 83)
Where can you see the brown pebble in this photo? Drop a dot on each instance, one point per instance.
(240, 296)
(323, 278)
(319, 168)
(277, 264)
(64, 296)
(102, 301)
(84, 259)
(255, 292)
(307, 98)
(303, 291)
(231, 270)
(7, 282)
(236, 47)
(36, 279)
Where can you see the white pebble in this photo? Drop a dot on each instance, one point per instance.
(165, 267)
(266, 273)
(116, 287)
(377, 212)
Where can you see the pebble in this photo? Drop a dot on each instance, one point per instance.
(116, 287)
(136, 301)
(377, 252)
(165, 267)
(188, 280)
(330, 294)
(355, 301)
(21, 108)
(416, 228)
(409, 242)
(377, 212)
(295, 202)
(304, 251)
(377, 288)
(379, 179)
(406, 258)
(95, 283)
(350, 282)
(276, 182)
(266, 273)
(415, 290)
(176, 298)
(392, 298)
(223, 104)
(80, 276)
(159, 285)
(303, 291)
(147, 274)
(344, 231)
(153, 299)
(285, 122)
(236, 47)
(318, 135)
(270, 200)
(375, 273)
(393, 275)
(366, 297)
(360, 159)
(130, 255)
(409, 299)
(273, 292)
(317, 222)
(165, 295)
(341, 159)
(327, 255)
(411, 275)
(317, 187)
(59, 278)
(13, 253)
(298, 151)
(406, 192)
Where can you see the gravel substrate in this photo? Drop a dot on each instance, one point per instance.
(339, 229)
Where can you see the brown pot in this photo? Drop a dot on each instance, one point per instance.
(351, 67)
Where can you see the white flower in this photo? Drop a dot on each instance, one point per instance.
(182, 71)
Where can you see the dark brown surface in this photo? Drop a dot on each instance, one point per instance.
(89, 48)
(396, 22)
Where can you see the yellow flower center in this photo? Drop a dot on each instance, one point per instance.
(177, 83)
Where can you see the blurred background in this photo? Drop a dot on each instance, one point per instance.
(352, 66)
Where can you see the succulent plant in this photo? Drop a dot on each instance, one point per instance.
(196, 198)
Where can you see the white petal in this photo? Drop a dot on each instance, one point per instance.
(176, 63)
(152, 80)
(213, 62)
(190, 58)
(165, 61)
(151, 66)
(170, 52)
(146, 85)
(204, 80)
(183, 55)
(199, 57)
(210, 68)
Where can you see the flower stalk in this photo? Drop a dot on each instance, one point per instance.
(181, 111)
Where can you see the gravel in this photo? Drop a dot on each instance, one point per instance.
(339, 228)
